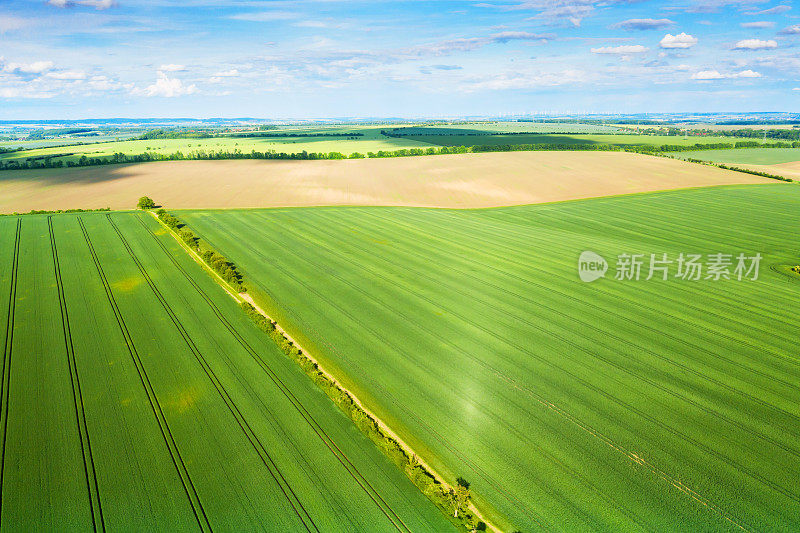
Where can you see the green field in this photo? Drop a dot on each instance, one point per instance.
(368, 139)
(455, 138)
(662, 405)
(745, 156)
(137, 396)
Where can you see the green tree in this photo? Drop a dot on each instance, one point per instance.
(146, 202)
(460, 496)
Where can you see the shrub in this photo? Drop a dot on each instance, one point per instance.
(146, 202)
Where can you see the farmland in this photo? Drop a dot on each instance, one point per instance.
(136, 395)
(350, 139)
(461, 180)
(623, 405)
(746, 156)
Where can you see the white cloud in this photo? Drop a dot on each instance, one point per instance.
(791, 30)
(232, 73)
(755, 44)
(758, 24)
(642, 24)
(69, 75)
(166, 87)
(623, 49)
(746, 74)
(171, 67)
(705, 75)
(37, 67)
(681, 40)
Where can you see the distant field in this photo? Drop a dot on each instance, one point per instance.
(371, 141)
(453, 138)
(746, 156)
(362, 139)
(466, 180)
(661, 405)
(136, 395)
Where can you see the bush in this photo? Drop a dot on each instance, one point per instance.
(146, 202)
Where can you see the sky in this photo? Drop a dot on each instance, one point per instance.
(299, 59)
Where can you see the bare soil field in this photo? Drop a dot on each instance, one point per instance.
(787, 170)
(456, 181)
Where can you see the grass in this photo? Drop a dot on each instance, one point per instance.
(137, 395)
(746, 156)
(661, 405)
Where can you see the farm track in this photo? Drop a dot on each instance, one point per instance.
(630, 455)
(267, 460)
(5, 384)
(95, 504)
(191, 493)
(374, 495)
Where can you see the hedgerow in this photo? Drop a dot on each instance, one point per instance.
(219, 264)
(454, 502)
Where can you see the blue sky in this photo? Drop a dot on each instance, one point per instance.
(329, 58)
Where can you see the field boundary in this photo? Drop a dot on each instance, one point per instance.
(344, 399)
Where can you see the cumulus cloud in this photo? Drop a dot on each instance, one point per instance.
(624, 49)
(171, 67)
(681, 40)
(37, 67)
(758, 25)
(642, 24)
(755, 44)
(165, 87)
(791, 30)
(707, 75)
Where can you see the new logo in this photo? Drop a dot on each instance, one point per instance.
(591, 266)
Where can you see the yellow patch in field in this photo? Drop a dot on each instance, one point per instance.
(160, 231)
(184, 400)
(125, 402)
(126, 285)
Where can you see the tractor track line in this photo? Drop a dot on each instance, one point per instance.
(166, 433)
(315, 426)
(258, 447)
(95, 504)
(474, 467)
(5, 382)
